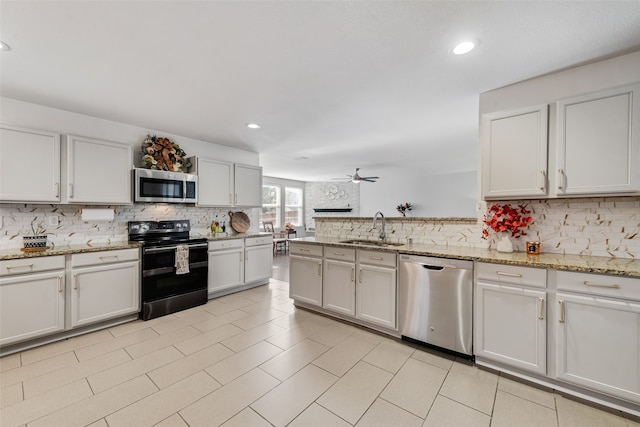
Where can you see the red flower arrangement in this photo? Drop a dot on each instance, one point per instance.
(505, 218)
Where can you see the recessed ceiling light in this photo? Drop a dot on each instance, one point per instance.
(253, 126)
(464, 47)
(4, 46)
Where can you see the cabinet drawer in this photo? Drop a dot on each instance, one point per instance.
(384, 259)
(302, 249)
(340, 253)
(30, 265)
(104, 257)
(500, 273)
(257, 241)
(226, 244)
(598, 284)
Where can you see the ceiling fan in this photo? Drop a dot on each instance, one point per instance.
(356, 178)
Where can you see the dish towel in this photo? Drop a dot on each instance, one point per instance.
(182, 259)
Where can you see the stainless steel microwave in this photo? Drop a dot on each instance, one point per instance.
(165, 187)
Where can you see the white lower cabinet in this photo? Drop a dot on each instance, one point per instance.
(226, 265)
(104, 285)
(31, 306)
(305, 273)
(376, 295)
(376, 288)
(339, 287)
(510, 325)
(598, 333)
(258, 259)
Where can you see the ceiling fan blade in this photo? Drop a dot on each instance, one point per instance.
(369, 177)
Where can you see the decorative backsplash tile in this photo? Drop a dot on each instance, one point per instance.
(71, 229)
(330, 195)
(608, 227)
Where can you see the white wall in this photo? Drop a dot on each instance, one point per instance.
(35, 116)
(450, 195)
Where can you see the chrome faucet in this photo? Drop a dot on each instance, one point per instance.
(375, 218)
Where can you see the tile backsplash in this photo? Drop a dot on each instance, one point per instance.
(71, 229)
(607, 227)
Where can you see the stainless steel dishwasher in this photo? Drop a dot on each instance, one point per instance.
(435, 302)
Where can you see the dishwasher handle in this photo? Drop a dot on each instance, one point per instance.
(432, 267)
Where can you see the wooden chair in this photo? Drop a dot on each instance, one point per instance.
(278, 242)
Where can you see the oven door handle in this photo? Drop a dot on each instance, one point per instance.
(172, 248)
(165, 270)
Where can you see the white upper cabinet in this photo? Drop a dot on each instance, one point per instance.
(223, 183)
(514, 153)
(248, 185)
(97, 171)
(29, 165)
(215, 182)
(598, 143)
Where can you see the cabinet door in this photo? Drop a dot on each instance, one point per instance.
(31, 306)
(226, 269)
(339, 287)
(597, 344)
(215, 184)
(98, 171)
(305, 279)
(258, 263)
(248, 185)
(510, 326)
(104, 292)
(514, 153)
(598, 143)
(376, 295)
(29, 165)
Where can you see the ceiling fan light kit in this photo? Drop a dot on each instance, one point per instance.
(356, 178)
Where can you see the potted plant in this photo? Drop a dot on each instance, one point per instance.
(404, 208)
(39, 237)
(508, 221)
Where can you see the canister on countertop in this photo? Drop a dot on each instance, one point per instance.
(533, 248)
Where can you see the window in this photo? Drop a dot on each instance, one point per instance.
(293, 205)
(271, 204)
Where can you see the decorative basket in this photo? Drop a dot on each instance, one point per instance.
(39, 241)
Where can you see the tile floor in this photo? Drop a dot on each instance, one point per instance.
(253, 359)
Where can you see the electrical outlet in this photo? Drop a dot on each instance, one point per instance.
(52, 221)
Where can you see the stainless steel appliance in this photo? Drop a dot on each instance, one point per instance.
(162, 186)
(164, 289)
(435, 298)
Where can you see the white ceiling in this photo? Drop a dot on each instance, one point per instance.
(367, 84)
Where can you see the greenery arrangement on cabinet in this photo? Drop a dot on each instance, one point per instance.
(404, 208)
(162, 154)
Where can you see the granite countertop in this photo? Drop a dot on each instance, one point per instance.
(16, 253)
(581, 263)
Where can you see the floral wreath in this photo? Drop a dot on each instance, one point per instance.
(501, 218)
(162, 154)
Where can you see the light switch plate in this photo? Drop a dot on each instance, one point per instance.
(52, 221)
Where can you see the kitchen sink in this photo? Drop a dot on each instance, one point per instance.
(371, 243)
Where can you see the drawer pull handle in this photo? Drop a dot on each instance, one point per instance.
(70, 191)
(502, 273)
(339, 253)
(60, 284)
(29, 266)
(543, 181)
(320, 269)
(596, 285)
(353, 273)
(75, 281)
(102, 258)
(541, 311)
(561, 302)
(304, 250)
(360, 276)
(376, 258)
(57, 189)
